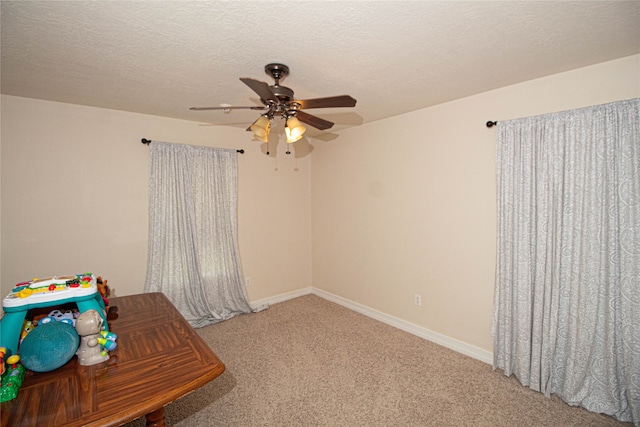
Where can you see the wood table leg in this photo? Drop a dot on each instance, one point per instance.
(155, 418)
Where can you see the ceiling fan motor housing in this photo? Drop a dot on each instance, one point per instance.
(283, 93)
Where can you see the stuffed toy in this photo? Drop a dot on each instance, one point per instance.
(105, 292)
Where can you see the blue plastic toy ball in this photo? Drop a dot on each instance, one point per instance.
(49, 346)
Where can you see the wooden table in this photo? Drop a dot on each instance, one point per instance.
(159, 359)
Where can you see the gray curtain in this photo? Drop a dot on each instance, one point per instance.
(567, 297)
(193, 251)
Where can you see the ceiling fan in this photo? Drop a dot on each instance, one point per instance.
(279, 100)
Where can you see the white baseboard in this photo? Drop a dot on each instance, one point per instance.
(440, 339)
(282, 297)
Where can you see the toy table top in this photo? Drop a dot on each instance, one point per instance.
(159, 359)
(42, 293)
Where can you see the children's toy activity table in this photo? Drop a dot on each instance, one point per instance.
(45, 293)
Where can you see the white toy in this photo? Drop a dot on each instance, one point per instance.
(66, 317)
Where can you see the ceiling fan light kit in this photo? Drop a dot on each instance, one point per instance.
(279, 100)
(261, 127)
(294, 130)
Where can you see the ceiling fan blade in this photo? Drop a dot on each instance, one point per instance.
(227, 108)
(314, 121)
(329, 102)
(261, 88)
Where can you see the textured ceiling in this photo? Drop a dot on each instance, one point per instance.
(161, 58)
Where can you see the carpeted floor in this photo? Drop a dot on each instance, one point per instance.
(310, 362)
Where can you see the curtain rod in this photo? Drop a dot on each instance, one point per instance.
(148, 141)
(491, 124)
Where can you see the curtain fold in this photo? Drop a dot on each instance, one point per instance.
(193, 251)
(567, 298)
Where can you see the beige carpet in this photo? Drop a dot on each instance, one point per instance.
(310, 362)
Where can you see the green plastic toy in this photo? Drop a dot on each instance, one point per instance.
(12, 379)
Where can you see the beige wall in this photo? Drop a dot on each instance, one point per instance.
(406, 205)
(74, 197)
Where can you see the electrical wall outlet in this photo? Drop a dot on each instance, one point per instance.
(418, 299)
(247, 281)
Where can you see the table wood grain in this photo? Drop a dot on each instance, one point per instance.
(159, 359)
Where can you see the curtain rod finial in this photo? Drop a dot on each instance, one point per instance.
(146, 141)
(491, 124)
